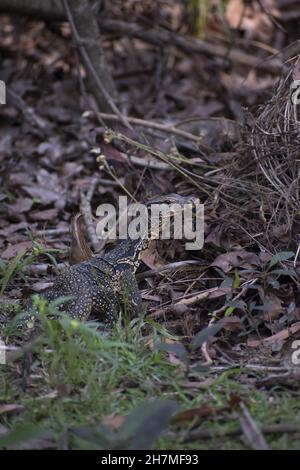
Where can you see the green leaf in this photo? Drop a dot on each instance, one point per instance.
(93, 438)
(174, 348)
(206, 334)
(236, 280)
(10, 271)
(229, 311)
(284, 272)
(22, 434)
(157, 327)
(282, 256)
(145, 424)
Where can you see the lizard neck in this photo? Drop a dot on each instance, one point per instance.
(128, 252)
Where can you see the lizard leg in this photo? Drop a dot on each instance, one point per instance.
(105, 306)
(131, 297)
(81, 308)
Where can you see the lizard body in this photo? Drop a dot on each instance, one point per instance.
(102, 285)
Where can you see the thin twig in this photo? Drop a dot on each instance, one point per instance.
(253, 367)
(282, 428)
(167, 267)
(252, 432)
(29, 113)
(155, 125)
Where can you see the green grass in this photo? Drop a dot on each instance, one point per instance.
(79, 375)
(17, 266)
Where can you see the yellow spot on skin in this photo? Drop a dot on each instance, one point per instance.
(75, 324)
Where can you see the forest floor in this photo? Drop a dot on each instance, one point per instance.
(165, 379)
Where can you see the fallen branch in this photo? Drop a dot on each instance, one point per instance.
(253, 367)
(211, 293)
(282, 428)
(280, 336)
(52, 9)
(167, 267)
(160, 37)
(214, 292)
(155, 125)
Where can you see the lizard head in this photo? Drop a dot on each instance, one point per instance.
(173, 198)
(160, 222)
(162, 211)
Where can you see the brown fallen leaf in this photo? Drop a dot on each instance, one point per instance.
(47, 214)
(13, 250)
(10, 407)
(201, 413)
(18, 179)
(236, 259)
(46, 196)
(233, 323)
(149, 256)
(114, 421)
(12, 228)
(22, 204)
(40, 286)
(273, 307)
(111, 153)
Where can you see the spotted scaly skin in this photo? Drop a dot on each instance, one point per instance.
(103, 285)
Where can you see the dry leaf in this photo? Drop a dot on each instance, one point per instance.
(13, 250)
(236, 259)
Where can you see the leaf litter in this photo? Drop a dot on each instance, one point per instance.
(251, 212)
